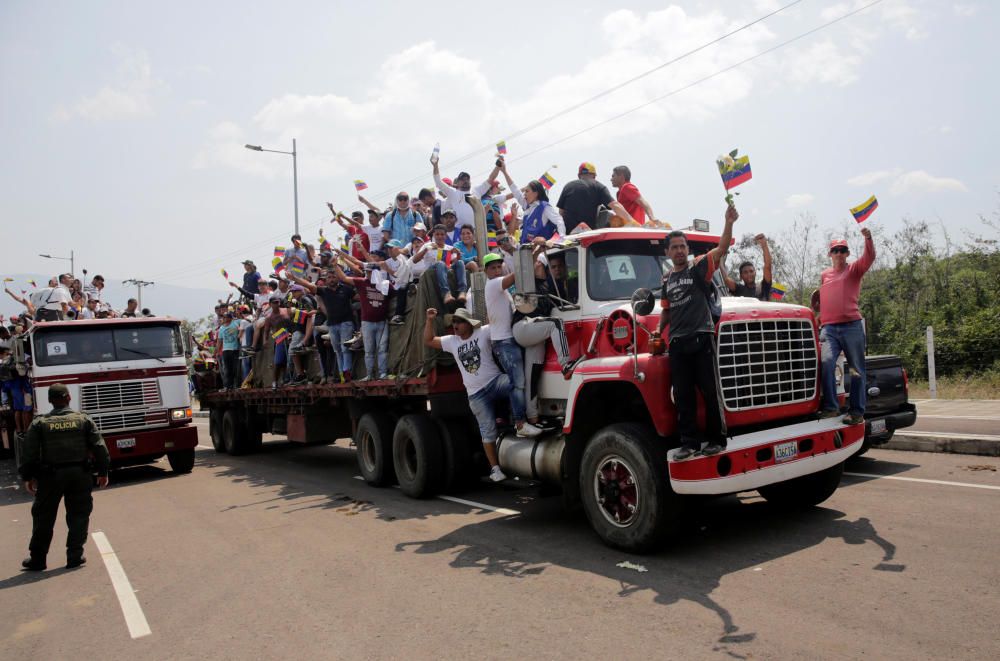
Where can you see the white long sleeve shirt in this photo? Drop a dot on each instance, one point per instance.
(550, 215)
(455, 200)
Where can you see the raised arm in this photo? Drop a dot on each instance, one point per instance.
(343, 277)
(305, 283)
(766, 249)
(730, 283)
(429, 338)
(868, 256)
(719, 251)
(368, 204)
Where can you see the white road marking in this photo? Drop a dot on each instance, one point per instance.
(134, 617)
(923, 481)
(484, 506)
(470, 503)
(947, 434)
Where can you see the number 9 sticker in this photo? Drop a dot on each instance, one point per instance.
(55, 348)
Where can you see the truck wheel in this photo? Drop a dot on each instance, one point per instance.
(181, 461)
(374, 449)
(625, 493)
(215, 429)
(417, 456)
(805, 491)
(458, 471)
(234, 432)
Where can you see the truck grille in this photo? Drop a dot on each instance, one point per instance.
(766, 363)
(96, 397)
(126, 420)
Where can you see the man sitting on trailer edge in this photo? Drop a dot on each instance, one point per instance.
(483, 380)
(685, 302)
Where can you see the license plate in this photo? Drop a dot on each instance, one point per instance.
(878, 427)
(786, 451)
(124, 443)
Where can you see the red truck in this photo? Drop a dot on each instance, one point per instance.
(611, 446)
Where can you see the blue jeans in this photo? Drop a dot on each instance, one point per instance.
(375, 335)
(441, 273)
(848, 337)
(247, 341)
(481, 403)
(340, 333)
(508, 354)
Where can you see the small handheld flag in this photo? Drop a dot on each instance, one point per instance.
(865, 209)
(8, 279)
(360, 185)
(502, 148)
(32, 283)
(547, 181)
(279, 251)
(297, 316)
(225, 274)
(734, 171)
(778, 291)
(280, 335)
(277, 265)
(297, 267)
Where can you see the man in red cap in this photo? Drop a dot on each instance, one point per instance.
(842, 327)
(580, 199)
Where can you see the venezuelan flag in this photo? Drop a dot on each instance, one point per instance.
(8, 279)
(32, 283)
(737, 173)
(502, 147)
(547, 180)
(298, 267)
(279, 251)
(225, 274)
(277, 265)
(865, 209)
(280, 335)
(778, 291)
(360, 185)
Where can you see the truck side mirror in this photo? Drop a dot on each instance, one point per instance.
(524, 269)
(642, 302)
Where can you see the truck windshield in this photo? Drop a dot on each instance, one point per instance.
(617, 268)
(75, 346)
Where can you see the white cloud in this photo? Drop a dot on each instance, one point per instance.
(131, 96)
(914, 181)
(965, 9)
(869, 178)
(798, 200)
(825, 62)
(920, 181)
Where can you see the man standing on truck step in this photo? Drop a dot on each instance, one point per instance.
(686, 308)
(483, 380)
(842, 327)
(55, 464)
(500, 312)
(747, 286)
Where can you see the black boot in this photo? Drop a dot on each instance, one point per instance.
(33, 564)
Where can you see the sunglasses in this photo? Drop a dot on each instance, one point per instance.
(839, 249)
(402, 198)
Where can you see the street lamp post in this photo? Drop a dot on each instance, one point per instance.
(70, 259)
(295, 173)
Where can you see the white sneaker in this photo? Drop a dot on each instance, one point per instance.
(528, 430)
(497, 475)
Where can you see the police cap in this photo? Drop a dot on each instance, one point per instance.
(58, 391)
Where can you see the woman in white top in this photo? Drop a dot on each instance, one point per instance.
(541, 219)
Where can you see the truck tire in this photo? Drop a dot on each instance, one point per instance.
(625, 494)
(215, 429)
(805, 491)
(374, 449)
(234, 432)
(417, 455)
(181, 461)
(458, 471)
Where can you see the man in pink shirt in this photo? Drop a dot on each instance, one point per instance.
(842, 328)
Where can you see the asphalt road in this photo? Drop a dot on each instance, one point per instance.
(285, 554)
(979, 417)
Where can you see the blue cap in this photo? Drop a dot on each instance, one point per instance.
(395, 243)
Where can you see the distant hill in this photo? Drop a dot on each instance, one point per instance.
(181, 302)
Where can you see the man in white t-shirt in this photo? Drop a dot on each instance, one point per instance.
(483, 380)
(56, 303)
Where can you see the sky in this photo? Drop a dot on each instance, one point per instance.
(123, 123)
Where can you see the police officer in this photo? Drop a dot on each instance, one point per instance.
(55, 464)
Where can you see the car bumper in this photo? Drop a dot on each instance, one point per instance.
(754, 460)
(905, 417)
(126, 446)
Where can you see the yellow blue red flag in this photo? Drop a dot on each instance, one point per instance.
(865, 209)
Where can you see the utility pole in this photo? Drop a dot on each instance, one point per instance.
(139, 285)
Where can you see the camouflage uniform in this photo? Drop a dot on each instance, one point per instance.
(57, 450)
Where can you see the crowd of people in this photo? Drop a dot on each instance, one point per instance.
(68, 298)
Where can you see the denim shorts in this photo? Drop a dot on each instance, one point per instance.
(481, 403)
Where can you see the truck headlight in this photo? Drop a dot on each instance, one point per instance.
(180, 414)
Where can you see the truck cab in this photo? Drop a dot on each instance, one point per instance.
(129, 375)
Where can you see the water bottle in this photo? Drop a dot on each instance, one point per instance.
(436, 154)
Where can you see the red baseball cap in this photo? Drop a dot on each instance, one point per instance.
(838, 243)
